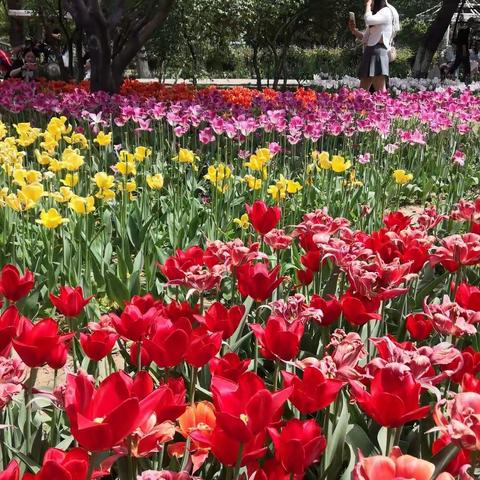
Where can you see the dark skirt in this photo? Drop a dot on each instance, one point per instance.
(374, 61)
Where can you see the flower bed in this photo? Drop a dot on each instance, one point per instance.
(238, 284)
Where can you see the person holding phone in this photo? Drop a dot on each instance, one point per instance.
(382, 23)
(29, 68)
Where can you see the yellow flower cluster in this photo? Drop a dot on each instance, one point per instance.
(187, 156)
(218, 176)
(322, 160)
(281, 187)
(58, 152)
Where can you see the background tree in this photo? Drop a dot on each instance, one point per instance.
(115, 31)
(434, 37)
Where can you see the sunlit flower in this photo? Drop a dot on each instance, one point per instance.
(155, 182)
(339, 164)
(71, 159)
(402, 177)
(252, 182)
(126, 168)
(33, 192)
(51, 219)
(63, 195)
(141, 153)
(57, 127)
(82, 205)
(77, 138)
(103, 181)
(43, 158)
(186, 156)
(322, 159)
(70, 180)
(242, 222)
(103, 139)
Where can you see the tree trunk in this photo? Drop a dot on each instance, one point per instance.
(433, 38)
(15, 30)
(110, 46)
(256, 67)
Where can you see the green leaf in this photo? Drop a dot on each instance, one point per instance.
(116, 289)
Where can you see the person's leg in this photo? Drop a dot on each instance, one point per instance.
(467, 69)
(458, 61)
(380, 83)
(366, 83)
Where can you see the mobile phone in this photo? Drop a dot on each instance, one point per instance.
(351, 16)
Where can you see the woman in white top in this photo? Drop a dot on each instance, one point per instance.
(382, 22)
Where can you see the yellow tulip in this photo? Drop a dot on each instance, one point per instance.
(103, 139)
(105, 194)
(242, 222)
(126, 168)
(63, 195)
(70, 180)
(401, 177)
(3, 130)
(127, 186)
(82, 205)
(51, 218)
(322, 159)
(49, 143)
(77, 138)
(141, 153)
(103, 180)
(34, 192)
(55, 165)
(71, 159)
(252, 182)
(155, 182)
(339, 165)
(57, 127)
(186, 156)
(126, 156)
(43, 158)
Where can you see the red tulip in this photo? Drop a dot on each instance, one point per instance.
(229, 366)
(313, 392)
(175, 266)
(41, 344)
(70, 301)
(305, 277)
(11, 324)
(145, 356)
(98, 344)
(170, 342)
(419, 326)
(468, 297)
(13, 286)
(331, 309)
(271, 469)
(312, 260)
(203, 347)
(227, 448)
(133, 323)
(218, 318)
(263, 218)
(396, 221)
(394, 396)
(60, 465)
(279, 339)
(298, 445)
(12, 472)
(457, 250)
(101, 418)
(359, 310)
(257, 281)
(247, 408)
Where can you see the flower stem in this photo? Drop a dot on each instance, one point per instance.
(236, 472)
